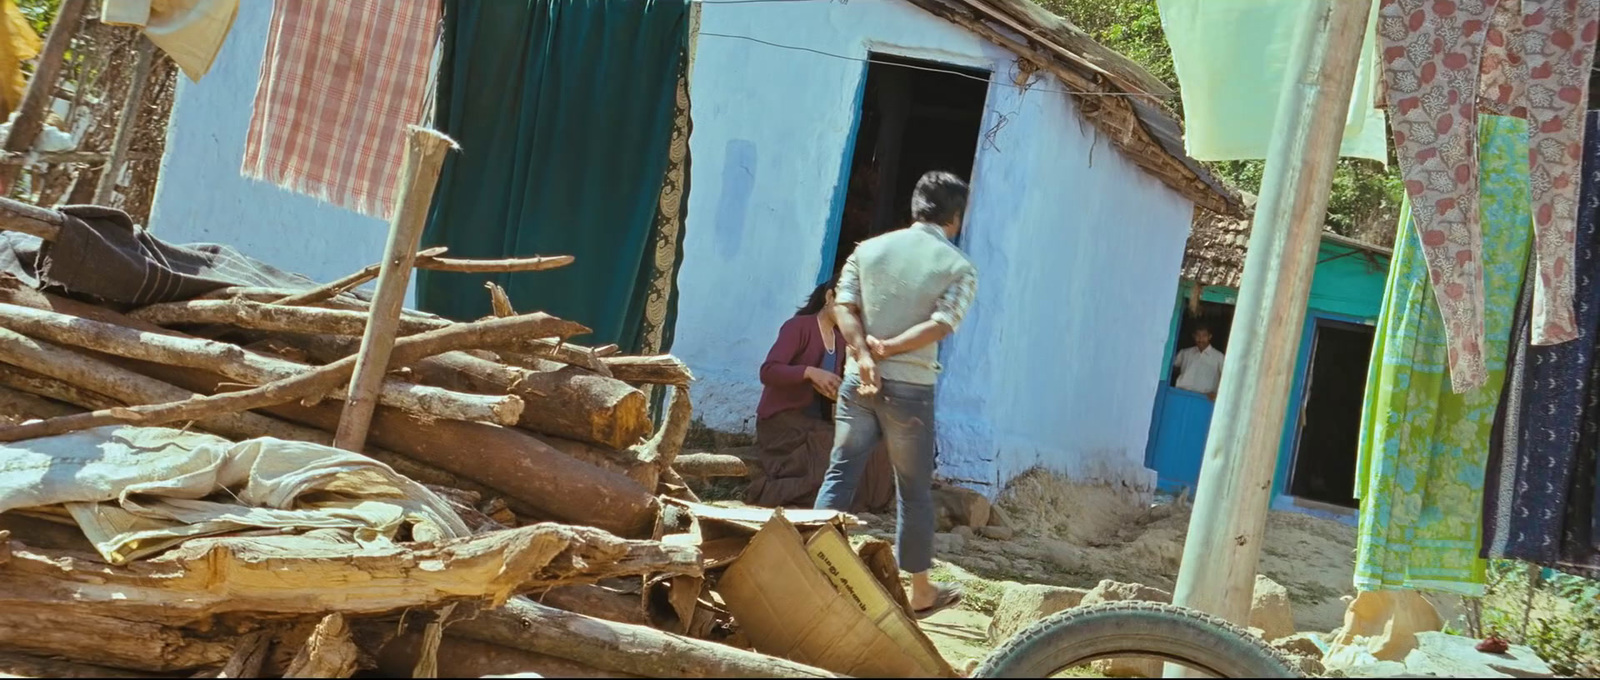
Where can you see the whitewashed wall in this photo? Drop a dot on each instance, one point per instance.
(1077, 250)
(202, 198)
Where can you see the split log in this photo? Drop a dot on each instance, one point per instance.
(707, 465)
(329, 653)
(653, 370)
(240, 364)
(313, 383)
(638, 650)
(672, 485)
(248, 657)
(104, 637)
(562, 401)
(663, 448)
(280, 575)
(625, 462)
(596, 601)
(31, 383)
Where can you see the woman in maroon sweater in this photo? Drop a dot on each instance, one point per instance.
(794, 421)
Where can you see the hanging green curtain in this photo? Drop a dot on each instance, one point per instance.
(564, 110)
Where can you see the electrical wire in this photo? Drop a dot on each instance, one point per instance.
(870, 60)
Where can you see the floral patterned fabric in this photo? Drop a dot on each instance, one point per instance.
(1423, 447)
(1442, 60)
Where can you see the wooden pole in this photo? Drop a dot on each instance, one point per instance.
(425, 151)
(1224, 543)
(126, 121)
(41, 88)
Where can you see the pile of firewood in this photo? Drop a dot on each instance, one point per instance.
(546, 449)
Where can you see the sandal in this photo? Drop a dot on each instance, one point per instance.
(949, 596)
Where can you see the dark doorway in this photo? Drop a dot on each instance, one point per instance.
(1324, 467)
(1214, 316)
(916, 116)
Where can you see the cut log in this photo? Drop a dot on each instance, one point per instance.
(626, 461)
(310, 384)
(461, 657)
(707, 465)
(81, 373)
(596, 601)
(341, 286)
(663, 448)
(103, 637)
(515, 264)
(240, 364)
(562, 401)
(329, 653)
(23, 380)
(639, 650)
(205, 578)
(317, 321)
(654, 370)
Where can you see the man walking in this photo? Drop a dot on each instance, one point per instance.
(898, 296)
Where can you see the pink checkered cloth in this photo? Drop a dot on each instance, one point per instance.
(340, 81)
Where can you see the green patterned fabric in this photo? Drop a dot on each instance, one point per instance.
(564, 110)
(1420, 470)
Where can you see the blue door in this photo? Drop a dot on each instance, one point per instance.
(1178, 437)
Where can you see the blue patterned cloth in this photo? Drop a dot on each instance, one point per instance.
(1539, 500)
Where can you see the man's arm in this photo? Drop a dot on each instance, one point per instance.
(947, 315)
(847, 316)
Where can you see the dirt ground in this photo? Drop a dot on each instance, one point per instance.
(1077, 535)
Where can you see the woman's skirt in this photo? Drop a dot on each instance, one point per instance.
(794, 449)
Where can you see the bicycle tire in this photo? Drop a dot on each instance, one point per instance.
(1135, 629)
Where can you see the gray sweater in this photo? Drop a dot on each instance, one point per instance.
(901, 279)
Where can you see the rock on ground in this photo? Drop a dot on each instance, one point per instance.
(955, 507)
(1270, 609)
(1452, 656)
(997, 533)
(1023, 605)
(1111, 591)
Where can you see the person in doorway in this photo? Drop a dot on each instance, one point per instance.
(899, 295)
(794, 420)
(1199, 367)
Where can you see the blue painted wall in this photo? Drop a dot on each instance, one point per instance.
(1348, 286)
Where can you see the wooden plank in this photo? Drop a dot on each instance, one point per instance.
(126, 121)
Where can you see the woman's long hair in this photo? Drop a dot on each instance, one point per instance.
(818, 299)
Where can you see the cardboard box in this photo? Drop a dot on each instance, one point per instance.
(814, 601)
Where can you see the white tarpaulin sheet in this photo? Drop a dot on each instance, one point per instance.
(138, 490)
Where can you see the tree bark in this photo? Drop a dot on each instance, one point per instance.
(461, 657)
(24, 406)
(243, 365)
(638, 650)
(316, 382)
(562, 401)
(419, 173)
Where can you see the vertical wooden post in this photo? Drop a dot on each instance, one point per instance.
(41, 89)
(425, 151)
(1221, 553)
(126, 122)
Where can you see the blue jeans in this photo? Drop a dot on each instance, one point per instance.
(902, 414)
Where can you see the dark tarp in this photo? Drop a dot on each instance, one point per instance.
(102, 256)
(564, 110)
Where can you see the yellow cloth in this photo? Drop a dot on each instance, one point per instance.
(1230, 56)
(189, 31)
(18, 43)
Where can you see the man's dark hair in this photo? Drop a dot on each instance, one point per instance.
(1202, 327)
(939, 198)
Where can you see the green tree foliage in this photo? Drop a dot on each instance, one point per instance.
(1365, 200)
(40, 13)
